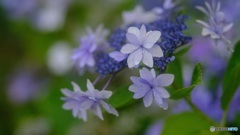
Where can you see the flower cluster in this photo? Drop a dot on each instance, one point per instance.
(217, 25)
(148, 42)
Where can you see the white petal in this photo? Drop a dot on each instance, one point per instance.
(157, 97)
(146, 74)
(133, 39)
(140, 93)
(203, 23)
(133, 30)
(118, 56)
(151, 39)
(142, 34)
(147, 99)
(153, 73)
(105, 94)
(147, 58)
(156, 51)
(109, 108)
(67, 92)
(90, 85)
(203, 10)
(209, 8)
(165, 104)
(135, 58)
(97, 111)
(165, 79)
(228, 27)
(90, 61)
(82, 114)
(163, 92)
(129, 48)
(76, 88)
(213, 35)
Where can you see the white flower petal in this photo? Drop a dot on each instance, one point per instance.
(135, 58)
(129, 48)
(163, 92)
(90, 85)
(213, 35)
(147, 99)
(153, 73)
(151, 39)
(91, 61)
(203, 10)
(133, 39)
(147, 58)
(118, 56)
(105, 94)
(143, 33)
(156, 51)
(157, 97)
(146, 74)
(203, 23)
(76, 88)
(227, 27)
(97, 111)
(209, 8)
(165, 79)
(109, 108)
(134, 30)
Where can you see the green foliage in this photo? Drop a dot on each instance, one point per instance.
(176, 69)
(196, 80)
(122, 97)
(188, 123)
(231, 79)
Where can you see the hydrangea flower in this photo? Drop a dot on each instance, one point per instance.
(217, 25)
(141, 46)
(100, 35)
(166, 6)
(138, 15)
(79, 101)
(83, 56)
(150, 87)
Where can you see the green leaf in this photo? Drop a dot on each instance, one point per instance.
(187, 123)
(231, 80)
(175, 68)
(121, 97)
(196, 80)
(182, 50)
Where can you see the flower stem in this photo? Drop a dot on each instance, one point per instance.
(96, 80)
(109, 80)
(224, 117)
(197, 110)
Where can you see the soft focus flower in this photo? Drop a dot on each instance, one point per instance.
(83, 56)
(141, 46)
(155, 129)
(100, 35)
(166, 6)
(138, 15)
(79, 102)
(58, 58)
(25, 85)
(150, 87)
(217, 25)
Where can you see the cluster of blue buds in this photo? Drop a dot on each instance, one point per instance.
(147, 42)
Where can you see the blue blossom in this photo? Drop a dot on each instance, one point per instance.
(150, 87)
(106, 65)
(165, 9)
(217, 25)
(83, 56)
(141, 46)
(79, 101)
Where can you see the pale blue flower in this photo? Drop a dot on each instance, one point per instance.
(83, 56)
(151, 87)
(167, 5)
(141, 46)
(79, 101)
(138, 15)
(217, 25)
(118, 56)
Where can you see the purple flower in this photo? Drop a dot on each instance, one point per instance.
(216, 25)
(150, 87)
(79, 102)
(83, 56)
(141, 46)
